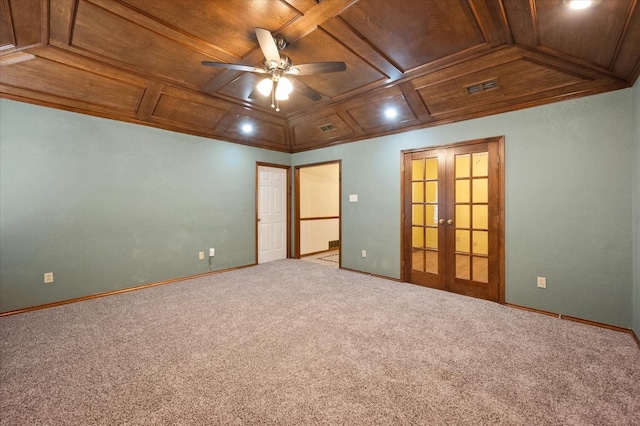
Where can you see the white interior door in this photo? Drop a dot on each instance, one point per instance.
(272, 214)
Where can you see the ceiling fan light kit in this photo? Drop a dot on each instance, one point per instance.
(283, 87)
(278, 65)
(265, 86)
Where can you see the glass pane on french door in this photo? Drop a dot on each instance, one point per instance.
(424, 215)
(471, 216)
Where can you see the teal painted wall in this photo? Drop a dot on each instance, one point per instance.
(568, 209)
(636, 210)
(106, 205)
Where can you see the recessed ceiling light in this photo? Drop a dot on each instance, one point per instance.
(391, 112)
(247, 128)
(579, 4)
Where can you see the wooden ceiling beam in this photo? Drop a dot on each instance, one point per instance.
(492, 21)
(314, 18)
(340, 31)
(415, 102)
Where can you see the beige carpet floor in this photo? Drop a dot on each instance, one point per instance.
(297, 343)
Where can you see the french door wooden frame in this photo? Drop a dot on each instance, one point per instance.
(445, 279)
(297, 205)
(257, 213)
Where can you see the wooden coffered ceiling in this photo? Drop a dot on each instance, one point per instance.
(435, 61)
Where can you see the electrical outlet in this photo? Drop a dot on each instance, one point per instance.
(364, 253)
(542, 282)
(48, 277)
(201, 255)
(212, 252)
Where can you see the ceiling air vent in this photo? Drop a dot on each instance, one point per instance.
(482, 87)
(327, 127)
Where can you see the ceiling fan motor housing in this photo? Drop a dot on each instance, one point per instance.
(280, 43)
(285, 64)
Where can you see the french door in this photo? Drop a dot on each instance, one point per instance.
(452, 226)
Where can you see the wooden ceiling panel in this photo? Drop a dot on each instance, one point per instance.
(516, 79)
(319, 46)
(218, 22)
(595, 32)
(429, 30)
(628, 61)
(311, 132)
(140, 61)
(73, 84)
(7, 36)
(372, 115)
(20, 23)
(177, 109)
(522, 21)
(61, 14)
(263, 132)
(241, 87)
(134, 45)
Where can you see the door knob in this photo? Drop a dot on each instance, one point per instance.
(450, 221)
(441, 221)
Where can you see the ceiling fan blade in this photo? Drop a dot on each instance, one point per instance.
(319, 68)
(255, 94)
(268, 45)
(237, 67)
(306, 91)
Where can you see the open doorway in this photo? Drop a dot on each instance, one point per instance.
(317, 211)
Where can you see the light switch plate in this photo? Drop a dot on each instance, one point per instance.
(353, 198)
(542, 282)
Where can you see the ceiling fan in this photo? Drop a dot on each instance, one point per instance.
(279, 67)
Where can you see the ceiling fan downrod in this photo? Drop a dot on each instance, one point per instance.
(274, 101)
